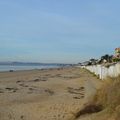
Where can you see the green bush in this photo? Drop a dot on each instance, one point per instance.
(116, 60)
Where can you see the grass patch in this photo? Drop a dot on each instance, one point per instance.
(109, 97)
(106, 101)
(109, 94)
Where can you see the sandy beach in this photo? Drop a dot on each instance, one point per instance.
(53, 94)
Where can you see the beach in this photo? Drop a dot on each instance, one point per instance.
(47, 94)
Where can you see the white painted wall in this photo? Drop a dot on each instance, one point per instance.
(103, 72)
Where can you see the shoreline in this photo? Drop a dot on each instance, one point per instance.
(35, 69)
(5, 68)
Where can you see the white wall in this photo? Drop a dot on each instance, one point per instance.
(103, 72)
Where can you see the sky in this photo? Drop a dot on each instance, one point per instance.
(58, 31)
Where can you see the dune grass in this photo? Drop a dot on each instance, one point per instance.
(109, 97)
(105, 102)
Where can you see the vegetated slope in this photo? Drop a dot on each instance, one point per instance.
(105, 104)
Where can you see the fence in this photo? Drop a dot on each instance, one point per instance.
(103, 72)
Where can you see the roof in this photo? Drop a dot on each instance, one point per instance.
(117, 50)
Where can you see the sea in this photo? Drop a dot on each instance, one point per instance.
(26, 66)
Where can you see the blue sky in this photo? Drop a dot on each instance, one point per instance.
(67, 31)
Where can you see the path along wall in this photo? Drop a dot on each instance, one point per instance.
(103, 72)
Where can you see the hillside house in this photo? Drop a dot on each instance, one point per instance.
(117, 53)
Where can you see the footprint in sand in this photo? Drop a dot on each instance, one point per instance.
(49, 91)
(1, 90)
(78, 92)
(22, 117)
(23, 85)
(11, 89)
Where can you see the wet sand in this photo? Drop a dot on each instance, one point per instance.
(53, 94)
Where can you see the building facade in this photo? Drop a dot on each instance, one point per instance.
(117, 53)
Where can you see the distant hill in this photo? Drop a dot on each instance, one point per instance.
(32, 63)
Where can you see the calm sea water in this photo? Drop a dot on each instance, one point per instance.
(26, 67)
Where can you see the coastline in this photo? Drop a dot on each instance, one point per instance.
(17, 67)
(49, 94)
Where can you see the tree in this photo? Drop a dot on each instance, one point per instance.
(107, 57)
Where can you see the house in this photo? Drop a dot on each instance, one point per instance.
(93, 61)
(85, 63)
(117, 53)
